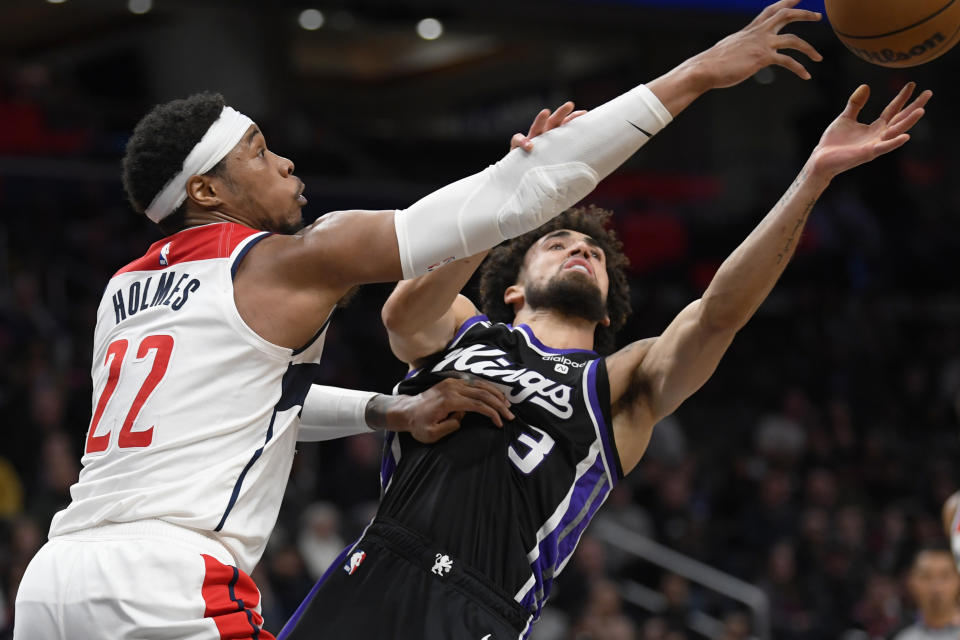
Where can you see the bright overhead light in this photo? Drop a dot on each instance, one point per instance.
(139, 6)
(310, 19)
(56, 1)
(429, 29)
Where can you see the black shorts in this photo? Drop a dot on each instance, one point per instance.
(396, 584)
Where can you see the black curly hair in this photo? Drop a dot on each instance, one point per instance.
(159, 145)
(502, 268)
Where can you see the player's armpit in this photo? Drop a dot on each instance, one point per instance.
(684, 358)
(651, 378)
(630, 402)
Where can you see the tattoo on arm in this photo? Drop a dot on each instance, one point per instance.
(801, 220)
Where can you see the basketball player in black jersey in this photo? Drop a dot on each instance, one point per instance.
(472, 531)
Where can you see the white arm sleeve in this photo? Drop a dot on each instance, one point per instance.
(331, 412)
(524, 190)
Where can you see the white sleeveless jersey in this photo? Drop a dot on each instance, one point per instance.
(195, 416)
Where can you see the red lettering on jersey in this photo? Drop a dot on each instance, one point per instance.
(115, 353)
(163, 345)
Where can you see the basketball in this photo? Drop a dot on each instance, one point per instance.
(896, 33)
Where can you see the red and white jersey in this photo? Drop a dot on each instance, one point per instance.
(195, 416)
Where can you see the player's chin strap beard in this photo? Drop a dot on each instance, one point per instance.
(222, 136)
(569, 297)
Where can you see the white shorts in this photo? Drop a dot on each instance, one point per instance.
(147, 580)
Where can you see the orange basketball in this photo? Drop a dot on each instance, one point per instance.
(896, 33)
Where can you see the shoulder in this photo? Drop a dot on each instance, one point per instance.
(465, 314)
(341, 249)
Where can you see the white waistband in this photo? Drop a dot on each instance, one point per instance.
(199, 540)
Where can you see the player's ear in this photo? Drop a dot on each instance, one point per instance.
(514, 296)
(204, 191)
(606, 320)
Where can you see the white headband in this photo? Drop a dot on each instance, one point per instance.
(222, 136)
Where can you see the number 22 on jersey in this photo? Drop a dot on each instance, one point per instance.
(162, 346)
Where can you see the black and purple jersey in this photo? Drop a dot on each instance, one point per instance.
(511, 503)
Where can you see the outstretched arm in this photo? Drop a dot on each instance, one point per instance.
(297, 279)
(331, 412)
(649, 380)
(523, 191)
(528, 189)
(423, 314)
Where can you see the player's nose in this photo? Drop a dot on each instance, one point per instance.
(580, 247)
(286, 166)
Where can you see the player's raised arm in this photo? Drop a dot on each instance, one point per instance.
(649, 380)
(524, 190)
(739, 56)
(423, 314)
(310, 271)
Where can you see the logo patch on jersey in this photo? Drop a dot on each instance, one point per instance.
(561, 368)
(564, 360)
(354, 563)
(443, 565)
(522, 383)
(165, 255)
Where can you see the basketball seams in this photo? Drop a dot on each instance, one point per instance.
(902, 29)
(946, 46)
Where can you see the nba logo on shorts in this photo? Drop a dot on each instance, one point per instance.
(354, 563)
(164, 253)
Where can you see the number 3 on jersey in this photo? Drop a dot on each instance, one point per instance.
(537, 450)
(162, 346)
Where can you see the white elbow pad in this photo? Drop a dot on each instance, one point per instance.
(331, 412)
(524, 190)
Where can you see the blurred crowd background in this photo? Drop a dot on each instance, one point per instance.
(814, 462)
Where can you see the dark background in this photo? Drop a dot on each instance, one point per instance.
(814, 462)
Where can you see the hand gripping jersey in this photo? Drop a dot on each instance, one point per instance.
(194, 415)
(511, 503)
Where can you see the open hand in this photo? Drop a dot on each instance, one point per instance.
(847, 142)
(438, 411)
(758, 45)
(545, 121)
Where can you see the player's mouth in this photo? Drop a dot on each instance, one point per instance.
(578, 264)
(300, 199)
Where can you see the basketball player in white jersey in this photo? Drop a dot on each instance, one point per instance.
(206, 346)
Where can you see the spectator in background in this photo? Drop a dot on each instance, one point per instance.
(320, 542)
(934, 586)
(879, 611)
(736, 626)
